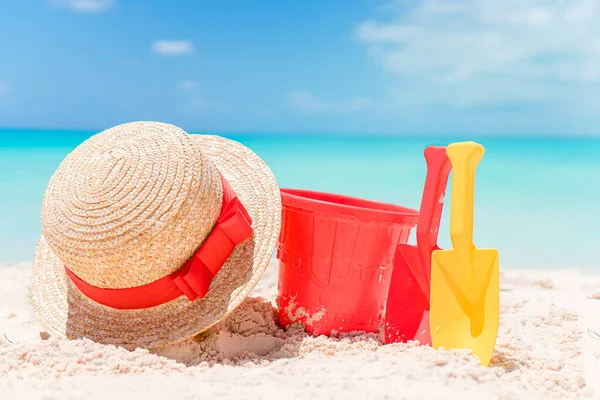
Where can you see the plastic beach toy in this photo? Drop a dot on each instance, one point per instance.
(407, 309)
(465, 287)
(336, 256)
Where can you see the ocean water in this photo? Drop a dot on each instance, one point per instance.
(536, 199)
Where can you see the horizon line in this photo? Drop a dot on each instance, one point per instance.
(238, 133)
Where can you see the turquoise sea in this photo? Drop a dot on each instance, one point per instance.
(536, 198)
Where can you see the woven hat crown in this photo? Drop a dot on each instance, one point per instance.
(131, 204)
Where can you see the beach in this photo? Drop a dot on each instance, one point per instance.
(147, 154)
(548, 347)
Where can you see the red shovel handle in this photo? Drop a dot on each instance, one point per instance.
(438, 169)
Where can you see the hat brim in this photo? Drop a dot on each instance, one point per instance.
(64, 311)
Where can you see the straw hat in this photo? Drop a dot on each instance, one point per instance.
(134, 205)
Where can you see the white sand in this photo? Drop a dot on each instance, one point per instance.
(544, 351)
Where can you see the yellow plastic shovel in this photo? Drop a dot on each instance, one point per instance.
(465, 280)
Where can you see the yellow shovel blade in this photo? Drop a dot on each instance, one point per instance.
(455, 321)
(465, 281)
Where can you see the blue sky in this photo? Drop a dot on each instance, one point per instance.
(516, 67)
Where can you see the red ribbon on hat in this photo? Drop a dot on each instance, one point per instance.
(193, 279)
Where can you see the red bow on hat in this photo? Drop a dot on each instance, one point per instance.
(194, 278)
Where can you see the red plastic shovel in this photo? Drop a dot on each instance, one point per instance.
(407, 308)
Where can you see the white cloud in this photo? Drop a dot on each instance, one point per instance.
(484, 46)
(173, 47)
(89, 6)
(4, 88)
(187, 86)
(306, 102)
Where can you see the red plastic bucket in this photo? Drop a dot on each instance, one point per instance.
(336, 255)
